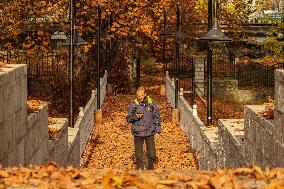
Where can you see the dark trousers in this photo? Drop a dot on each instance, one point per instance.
(150, 151)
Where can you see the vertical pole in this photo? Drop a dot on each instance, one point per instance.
(110, 46)
(137, 68)
(177, 59)
(210, 6)
(176, 74)
(71, 57)
(109, 56)
(209, 69)
(98, 58)
(164, 42)
(209, 85)
(193, 82)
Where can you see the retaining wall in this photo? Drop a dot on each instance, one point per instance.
(202, 140)
(236, 142)
(24, 137)
(86, 122)
(13, 114)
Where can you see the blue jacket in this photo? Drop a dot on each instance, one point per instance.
(150, 123)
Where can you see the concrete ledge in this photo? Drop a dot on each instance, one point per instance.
(36, 138)
(211, 153)
(58, 148)
(73, 146)
(231, 137)
(85, 123)
(203, 140)
(259, 137)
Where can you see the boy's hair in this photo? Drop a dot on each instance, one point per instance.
(141, 89)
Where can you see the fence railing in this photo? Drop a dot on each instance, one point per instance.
(3, 58)
(222, 66)
(257, 75)
(186, 72)
(39, 65)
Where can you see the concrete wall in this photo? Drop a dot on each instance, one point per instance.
(202, 140)
(86, 122)
(24, 138)
(279, 118)
(73, 146)
(236, 142)
(36, 138)
(58, 148)
(13, 114)
(231, 138)
(225, 87)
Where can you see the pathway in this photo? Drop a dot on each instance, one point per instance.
(111, 144)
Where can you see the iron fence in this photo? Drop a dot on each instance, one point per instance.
(222, 66)
(186, 72)
(256, 75)
(271, 71)
(40, 65)
(3, 57)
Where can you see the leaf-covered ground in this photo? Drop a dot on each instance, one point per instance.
(51, 176)
(112, 145)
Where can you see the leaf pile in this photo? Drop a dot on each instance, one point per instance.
(52, 131)
(268, 113)
(52, 176)
(33, 105)
(2, 64)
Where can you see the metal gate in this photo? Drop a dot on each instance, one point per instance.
(185, 72)
(222, 66)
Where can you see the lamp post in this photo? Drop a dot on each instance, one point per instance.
(110, 46)
(214, 34)
(71, 57)
(138, 66)
(75, 39)
(179, 34)
(164, 42)
(165, 34)
(98, 57)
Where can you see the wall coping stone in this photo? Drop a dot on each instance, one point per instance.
(15, 69)
(34, 116)
(210, 135)
(236, 129)
(279, 75)
(254, 111)
(60, 123)
(72, 134)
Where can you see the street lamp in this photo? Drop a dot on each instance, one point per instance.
(100, 33)
(57, 38)
(179, 35)
(74, 39)
(98, 56)
(164, 35)
(214, 34)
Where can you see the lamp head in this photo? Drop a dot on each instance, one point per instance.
(215, 34)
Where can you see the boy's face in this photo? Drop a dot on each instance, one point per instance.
(140, 96)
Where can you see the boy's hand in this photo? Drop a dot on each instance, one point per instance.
(139, 115)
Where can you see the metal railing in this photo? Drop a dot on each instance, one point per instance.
(257, 75)
(223, 66)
